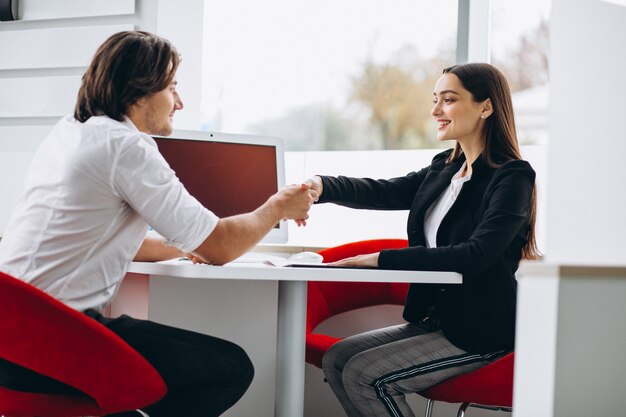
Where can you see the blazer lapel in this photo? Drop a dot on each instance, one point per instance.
(432, 187)
(435, 184)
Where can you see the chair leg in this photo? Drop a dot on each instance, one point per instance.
(462, 409)
(465, 406)
(429, 408)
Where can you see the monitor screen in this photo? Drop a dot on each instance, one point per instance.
(229, 174)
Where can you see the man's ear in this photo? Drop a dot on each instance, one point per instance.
(136, 107)
(139, 103)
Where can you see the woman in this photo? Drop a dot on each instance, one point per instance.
(472, 211)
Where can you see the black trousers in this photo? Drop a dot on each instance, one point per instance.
(204, 375)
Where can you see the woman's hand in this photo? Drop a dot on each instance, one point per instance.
(371, 260)
(316, 187)
(316, 184)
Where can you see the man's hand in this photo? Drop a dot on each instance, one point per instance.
(195, 258)
(237, 234)
(316, 185)
(294, 202)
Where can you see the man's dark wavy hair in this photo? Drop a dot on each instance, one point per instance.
(126, 67)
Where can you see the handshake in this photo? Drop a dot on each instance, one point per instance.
(294, 201)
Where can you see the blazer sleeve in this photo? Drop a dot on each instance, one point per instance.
(506, 215)
(366, 193)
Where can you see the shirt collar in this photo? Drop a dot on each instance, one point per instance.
(457, 177)
(144, 136)
(129, 124)
(479, 166)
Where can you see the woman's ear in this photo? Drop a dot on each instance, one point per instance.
(487, 109)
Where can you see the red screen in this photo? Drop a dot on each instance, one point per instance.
(227, 178)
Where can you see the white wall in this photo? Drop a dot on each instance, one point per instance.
(590, 369)
(587, 147)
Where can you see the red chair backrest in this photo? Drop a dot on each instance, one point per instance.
(40, 333)
(326, 299)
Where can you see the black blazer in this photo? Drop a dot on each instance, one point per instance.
(481, 237)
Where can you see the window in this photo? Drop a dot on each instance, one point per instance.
(327, 74)
(519, 47)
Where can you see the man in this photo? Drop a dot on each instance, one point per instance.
(95, 184)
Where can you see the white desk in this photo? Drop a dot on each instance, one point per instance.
(292, 289)
(570, 340)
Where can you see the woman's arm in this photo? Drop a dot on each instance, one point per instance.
(366, 193)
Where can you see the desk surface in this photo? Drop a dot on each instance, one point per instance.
(253, 271)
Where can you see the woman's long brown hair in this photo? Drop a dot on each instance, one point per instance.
(485, 81)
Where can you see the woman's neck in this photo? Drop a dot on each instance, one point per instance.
(471, 152)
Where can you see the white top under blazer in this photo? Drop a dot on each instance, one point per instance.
(438, 210)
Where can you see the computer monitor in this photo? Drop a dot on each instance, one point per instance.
(228, 173)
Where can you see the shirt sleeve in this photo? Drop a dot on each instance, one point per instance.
(145, 181)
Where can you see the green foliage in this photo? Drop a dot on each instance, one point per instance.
(398, 96)
(388, 107)
(526, 65)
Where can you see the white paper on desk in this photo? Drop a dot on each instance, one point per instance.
(287, 263)
(175, 261)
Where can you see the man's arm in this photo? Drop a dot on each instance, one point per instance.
(235, 235)
(154, 249)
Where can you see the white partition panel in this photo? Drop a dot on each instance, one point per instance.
(17, 148)
(22, 138)
(38, 96)
(587, 147)
(46, 9)
(53, 47)
(14, 166)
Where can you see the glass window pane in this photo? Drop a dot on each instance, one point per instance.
(327, 74)
(519, 47)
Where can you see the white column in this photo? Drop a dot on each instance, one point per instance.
(182, 23)
(473, 31)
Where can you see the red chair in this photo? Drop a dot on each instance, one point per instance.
(326, 299)
(490, 387)
(40, 333)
